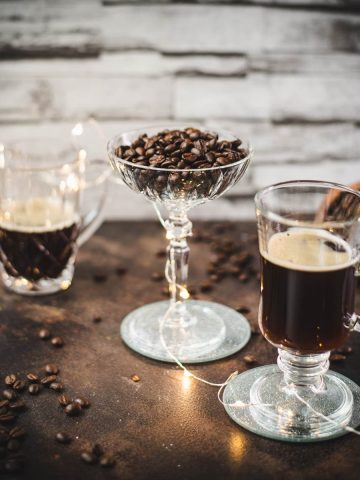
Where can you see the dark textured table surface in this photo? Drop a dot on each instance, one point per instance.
(165, 426)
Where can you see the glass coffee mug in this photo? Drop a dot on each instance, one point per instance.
(309, 239)
(45, 184)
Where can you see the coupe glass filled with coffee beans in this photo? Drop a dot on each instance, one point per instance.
(179, 168)
(309, 239)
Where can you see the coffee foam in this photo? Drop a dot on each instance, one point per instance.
(307, 250)
(37, 215)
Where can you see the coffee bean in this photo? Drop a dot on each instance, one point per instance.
(9, 394)
(243, 309)
(18, 405)
(48, 379)
(32, 377)
(249, 359)
(337, 357)
(97, 319)
(13, 445)
(19, 385)
(83, 402)
(97, 450)
(206, 287)
(88, 457)
(62, 437)
(135, 378)
(13, 465)
(7, 417)
(243, 278)
(107, 462)
(57, 386)
(64, 400)
(34, 389)
(157, 276)
(17, 432)
(120, 271)
(10, 379)
(44, 334)
(100, 278)
(73, 409)
(51, 369)
(57, 342)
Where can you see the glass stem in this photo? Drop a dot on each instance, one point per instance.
(178, 227)
(303, 372)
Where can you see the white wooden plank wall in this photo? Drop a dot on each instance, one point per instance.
(283, 73)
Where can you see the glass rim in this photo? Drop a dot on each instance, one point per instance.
(114, 143)
(58, 165)
(292, 222)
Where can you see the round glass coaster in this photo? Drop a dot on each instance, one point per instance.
(275, 416)
(212, 331)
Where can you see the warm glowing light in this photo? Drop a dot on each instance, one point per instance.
(184, 294)
(237, 445)
(186, 381)
(78, 129)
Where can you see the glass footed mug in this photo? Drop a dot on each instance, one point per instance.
(191, 330)
(51, 201)
(309, 240)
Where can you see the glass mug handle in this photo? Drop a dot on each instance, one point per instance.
(353, 321)
(94, 185)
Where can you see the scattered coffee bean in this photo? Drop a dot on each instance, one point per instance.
(73, 409)
(107, 462)
(51, 369)
(243, 277)
(7, 417)
(14, 464)
(100, 278)
(34, 389)
(83, 402)
(120, 271)
(18, 405)
(57, 342)
(88, 457)
(157, 276)
(337, 357)
(206, 287)
(13, 445)
(255, 331)
(9, 394)
(249, 359)
(56, 386)
(17, 432)
(10, 379)
(19, 385)
(97, 319)
(48, 379)
(135, 378)
(64, 400)
(44, 334)
(161, 253)
(62, 437)
(243, 309)
(97, 450)
(32, 377)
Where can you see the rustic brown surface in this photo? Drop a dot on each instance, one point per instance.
(160, 427)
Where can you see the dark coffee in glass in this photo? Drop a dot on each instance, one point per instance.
(38, 239)
(308, 290)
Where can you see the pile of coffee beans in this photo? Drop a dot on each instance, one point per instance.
(183, 156)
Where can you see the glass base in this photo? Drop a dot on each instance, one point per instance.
(44, 286)
(197, 332)
(276, 412)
